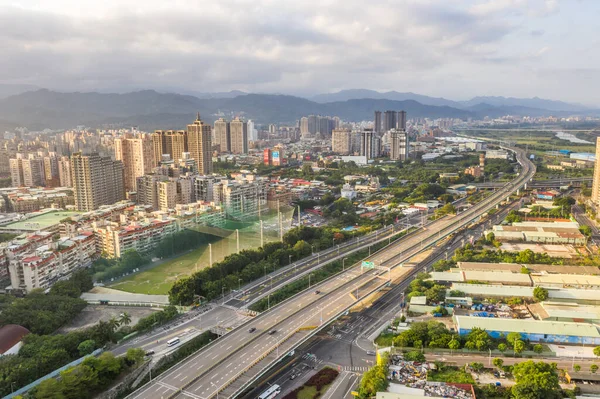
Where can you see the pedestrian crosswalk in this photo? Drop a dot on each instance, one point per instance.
(312, 358)
(361, 369)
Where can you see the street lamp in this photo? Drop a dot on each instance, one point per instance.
(312, 249)
(290, 260)
(309, 280)
(223, 293)
(344, 264)
(239, 284)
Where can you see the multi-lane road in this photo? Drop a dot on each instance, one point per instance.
(236, 359)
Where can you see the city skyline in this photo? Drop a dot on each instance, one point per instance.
(465, 49)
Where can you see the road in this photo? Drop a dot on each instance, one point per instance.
(193, 323)
(344, 346)
(218, 368)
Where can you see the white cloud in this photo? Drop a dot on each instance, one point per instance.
(308, 46)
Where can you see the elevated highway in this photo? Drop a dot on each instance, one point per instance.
(229, 365)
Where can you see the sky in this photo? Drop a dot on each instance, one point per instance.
(455, 49)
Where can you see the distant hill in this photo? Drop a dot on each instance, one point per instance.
(7, 90)
(535, 102)
(354, 94)
(490, 102)
(150, 109)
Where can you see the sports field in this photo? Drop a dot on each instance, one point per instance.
(160, 276)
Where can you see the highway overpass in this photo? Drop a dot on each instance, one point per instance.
(230, 364)
(550, 183)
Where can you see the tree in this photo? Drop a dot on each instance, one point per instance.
(502, 347)
(540, 294)
(519, 346)
(402, 319)
(535, 381)
(65, 288)
(537, 348)
(597, 351)
(524, 270)
(498, 363)
(512, 337)
(124, 319)
(577, 367)
(454, 344)
(50, 389)
(594, 368)
(135, 355)
(476, 366)
(86, 347)
(414, 356)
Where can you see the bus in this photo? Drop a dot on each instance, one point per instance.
(270, 393)
(173, 341)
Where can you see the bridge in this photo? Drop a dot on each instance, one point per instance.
(550, 183)
(231, 364)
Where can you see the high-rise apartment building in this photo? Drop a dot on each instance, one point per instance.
(341, 141)
(137, 155)
(398, 145)
(369, 144)
(167, 195)
(401, 120)
(377, 125)
(200, 145)
(222, 135)
(596, 181)
(239, 136)
(252, 132)
(64, 172)
(96, 181)
(313, 124)
(389, 120)
(172, 142)
(304, 133)
(51, 170)
(27, 171)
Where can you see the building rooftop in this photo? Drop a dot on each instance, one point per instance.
(39, 222)
(528, 326)
(10, 335)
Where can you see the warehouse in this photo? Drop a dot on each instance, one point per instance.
(493, 277)
(532, 330)
(540, 232)
(566, 281)
(517, 268)
(566, 311)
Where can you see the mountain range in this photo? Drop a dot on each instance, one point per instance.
(153, 110)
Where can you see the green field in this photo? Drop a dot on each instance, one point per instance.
(158, 277)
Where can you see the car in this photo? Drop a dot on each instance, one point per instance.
(371, 353)
(292, 376)
(317, 292)
(149, 353)
(252, 329)
(272, 332)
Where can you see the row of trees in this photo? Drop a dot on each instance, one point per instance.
(249, 265)
(88, 378)
(44, 313)
(421, 286)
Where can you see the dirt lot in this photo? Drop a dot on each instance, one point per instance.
(94, 313)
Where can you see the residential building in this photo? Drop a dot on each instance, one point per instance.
(51, 170)
(304, 132)
(398, 145)
(252, 132)
(241, 199)
(475, 171)
(369, 144)
(172, 142)
(596, 179)
(222, 135)
(378, 125)
(239, 136)
(137, 156)
(341, 141)
(200, 145)
(37, 261)
(167, 195)
(96, 181)
(64, 172)
(27, 171)
(401, 120)
(496, 154)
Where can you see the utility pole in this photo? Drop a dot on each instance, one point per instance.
(210, 255)
(237, 236)
(262, 241)
(299, 220)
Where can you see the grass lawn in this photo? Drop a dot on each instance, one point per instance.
(308, 392)
(158, 280)
(451, 374)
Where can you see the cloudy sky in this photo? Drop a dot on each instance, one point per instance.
(450, 48)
